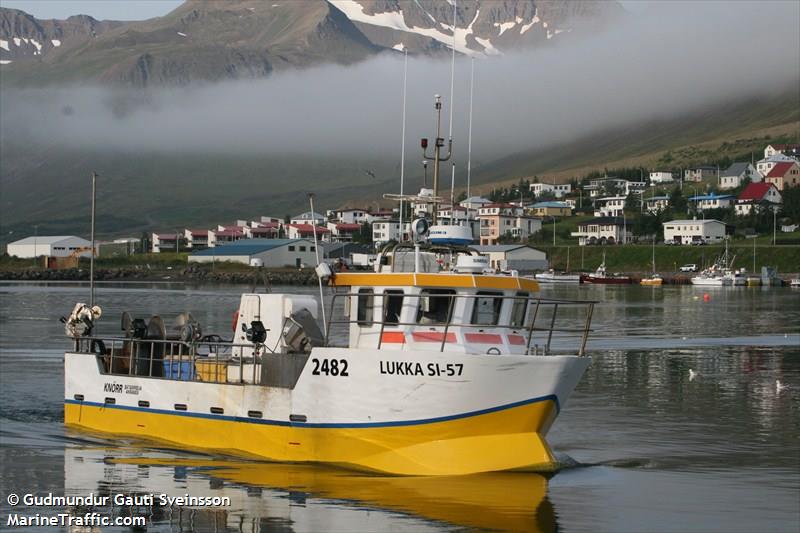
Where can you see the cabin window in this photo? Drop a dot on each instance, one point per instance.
(486, 310)
(392, 306)
(518, 310)
(435, 306)
(365, 306)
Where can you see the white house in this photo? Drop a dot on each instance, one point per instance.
(559, 190)
(164, 242)
(768, 163)
(513, 257)
(786, 149)
(52, 246)
(384, 231)
(307, 231)
(712, 201)
(261, 252)
(694, 231)
(474, 202)
(342, 231)
(223, 235)
(603, 230)
(351, 216)
(763, 195)
(195, 238)
(309, 218)
(610, 206)
(656, 204)
(735, 175)
(661, 176)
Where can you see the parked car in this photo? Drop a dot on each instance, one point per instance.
(689, 268)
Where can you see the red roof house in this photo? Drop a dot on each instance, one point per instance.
(785, 174)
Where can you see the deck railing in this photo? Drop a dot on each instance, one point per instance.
(533, 307)
(205, 361)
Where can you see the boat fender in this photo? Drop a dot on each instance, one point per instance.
(235, 318)
(493, 351)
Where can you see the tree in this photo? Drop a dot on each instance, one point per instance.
(791, 204)
(677, 201)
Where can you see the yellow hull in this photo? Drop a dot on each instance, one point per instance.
(651, 282)
(504, 439)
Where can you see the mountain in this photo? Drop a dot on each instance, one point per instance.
(211, 40)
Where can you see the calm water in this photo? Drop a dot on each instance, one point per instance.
(651, 449)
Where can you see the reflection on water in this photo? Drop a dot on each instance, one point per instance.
(654, 448)
(266, 497)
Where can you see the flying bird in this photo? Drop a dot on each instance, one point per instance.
(692, 374)
(779, 386)
(369, 173)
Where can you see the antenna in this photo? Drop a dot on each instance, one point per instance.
(437, 151)
(403, 142)
(452, 82)
(316, 252)
(469, 135)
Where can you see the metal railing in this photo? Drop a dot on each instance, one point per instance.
(202, 361)
(533, 307)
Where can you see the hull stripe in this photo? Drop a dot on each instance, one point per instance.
(549, 397)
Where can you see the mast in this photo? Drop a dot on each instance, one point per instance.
(452, 83)
(91, 259)
(403, 143)
(437, 152)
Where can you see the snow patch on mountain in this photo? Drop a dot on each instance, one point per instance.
(396, 21)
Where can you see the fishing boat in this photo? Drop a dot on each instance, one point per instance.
(601, 276)
(432, 364)
(719, 274)
(443, 373)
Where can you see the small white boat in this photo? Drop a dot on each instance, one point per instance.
(551, 276)
(709, 278)
(795, 282)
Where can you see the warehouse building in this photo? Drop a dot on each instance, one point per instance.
(272, 253)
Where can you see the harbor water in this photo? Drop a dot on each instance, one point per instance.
(688, 419)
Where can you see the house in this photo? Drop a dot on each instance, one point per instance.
(610, 206)
(307, 231)
(700, 173)
(513, 257)
(736, 174)
(351, 216)
(792, 150)
(551, 209)
(661, 176)
(196, 238)
(261, 252)
(267, 220)
(384, 231)
(474, 202)
(344, 250)
(694, 231)
(262, 230)
(782, 175)
(343, 232)
(557, 190)
(758, 196)
(51, 246)
(497, 220)
(422, 206)
(766, 165)
(712, 201)
(164, 242)
(656, 204)
(309, 218)
(380, 214)
(603, 230)
(225, 234)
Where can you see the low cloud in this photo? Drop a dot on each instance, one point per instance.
(672, 58)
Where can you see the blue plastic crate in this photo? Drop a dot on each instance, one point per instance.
(180, 370)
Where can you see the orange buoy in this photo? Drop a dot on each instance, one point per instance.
(706, 297)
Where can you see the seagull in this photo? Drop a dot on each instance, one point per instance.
(779, 386)
(368, 173)
(692, 374)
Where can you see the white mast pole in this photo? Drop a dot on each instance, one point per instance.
(403, 142)
(469, 138)
(316, 252)
(452, 81)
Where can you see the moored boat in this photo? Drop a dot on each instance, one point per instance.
(601, 276)
(551, 276)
